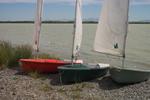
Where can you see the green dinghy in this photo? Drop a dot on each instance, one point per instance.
(129, 76)
(134, 73)
(81, 72)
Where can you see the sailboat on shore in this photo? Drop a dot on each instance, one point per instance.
(40, 65)
(80, 72)
(111, 37)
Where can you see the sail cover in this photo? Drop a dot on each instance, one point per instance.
(112, 27)
(77, 38)
(38, 24)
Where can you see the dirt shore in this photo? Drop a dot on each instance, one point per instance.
(16, 85)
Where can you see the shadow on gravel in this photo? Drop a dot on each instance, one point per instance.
(55, 79)
(52, 77)
(18, 71)
(107, 83)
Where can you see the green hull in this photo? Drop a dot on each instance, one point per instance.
(127, 76)
(80, 72)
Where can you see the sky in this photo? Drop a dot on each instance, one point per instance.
(18, 10)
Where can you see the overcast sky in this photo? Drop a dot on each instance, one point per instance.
(69, 1)
(64, 9)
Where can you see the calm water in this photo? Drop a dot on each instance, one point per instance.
(57, 39)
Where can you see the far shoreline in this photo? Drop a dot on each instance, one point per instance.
(69, 22)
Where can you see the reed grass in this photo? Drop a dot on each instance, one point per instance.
(21, 52)
(9, 55)
(6, 53)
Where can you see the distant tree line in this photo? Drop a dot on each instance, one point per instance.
(140, 22)
(88, 22)
(46, 22)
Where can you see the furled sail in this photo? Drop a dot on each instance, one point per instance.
(112, 28)
(77, 35)
(38, 24)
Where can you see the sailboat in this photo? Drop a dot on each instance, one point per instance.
(111, 37)
(40, 65)
(80, 72)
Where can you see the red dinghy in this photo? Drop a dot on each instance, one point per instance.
(41, 65)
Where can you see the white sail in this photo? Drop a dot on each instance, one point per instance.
(112, 28)
(37, 23)
(77, 38)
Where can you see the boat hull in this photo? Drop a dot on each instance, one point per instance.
(127, 76)
(79, 73)
(41, 65)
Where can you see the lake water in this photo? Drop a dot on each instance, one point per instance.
(57, 39)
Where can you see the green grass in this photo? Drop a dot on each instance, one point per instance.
(10, 55)
(6, 53)
(19, 52)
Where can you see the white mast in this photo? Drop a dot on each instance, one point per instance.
(112, 28)
(124, 46)
(77, 35)
(37, 23)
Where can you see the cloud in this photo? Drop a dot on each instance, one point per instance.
(85, 2)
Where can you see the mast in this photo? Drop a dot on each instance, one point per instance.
(124, 46)
(38, 19)
(77, 33)
(74, 25)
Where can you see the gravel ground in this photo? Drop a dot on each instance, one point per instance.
(15, 85)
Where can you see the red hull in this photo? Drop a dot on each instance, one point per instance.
(41, 65)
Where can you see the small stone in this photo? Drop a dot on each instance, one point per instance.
(13, 93)
(2, 88)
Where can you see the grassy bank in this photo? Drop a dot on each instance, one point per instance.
(9, 55)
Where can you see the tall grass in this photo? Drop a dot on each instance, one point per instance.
(6, 53)
(9, 55)
(19, 52)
